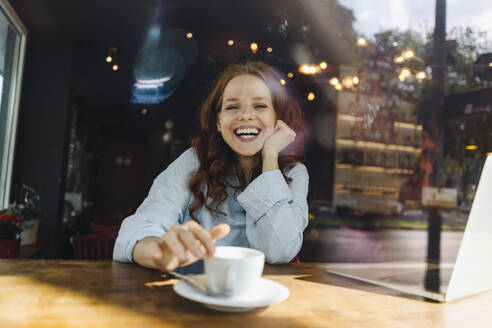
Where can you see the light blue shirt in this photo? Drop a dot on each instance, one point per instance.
(269, 215)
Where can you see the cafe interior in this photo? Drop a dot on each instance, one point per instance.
(397, 100)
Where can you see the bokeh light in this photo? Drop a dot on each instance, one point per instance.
(362, 42)
(399, 59)
(420, 75)
(409, 54)
(254, 47)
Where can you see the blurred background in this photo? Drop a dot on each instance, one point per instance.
(397, 97)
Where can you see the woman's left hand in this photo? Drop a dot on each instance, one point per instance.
(281, 137)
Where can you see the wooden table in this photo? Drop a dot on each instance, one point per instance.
(59, 293)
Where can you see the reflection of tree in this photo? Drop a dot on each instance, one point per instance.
(382, 63)
(469, 44)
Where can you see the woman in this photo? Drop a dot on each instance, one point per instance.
(233, 187)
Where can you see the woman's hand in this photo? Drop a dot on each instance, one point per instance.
(281, 137)
(183, 244)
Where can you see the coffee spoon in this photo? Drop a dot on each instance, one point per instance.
(202, 285)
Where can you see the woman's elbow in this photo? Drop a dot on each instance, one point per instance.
(281, 254)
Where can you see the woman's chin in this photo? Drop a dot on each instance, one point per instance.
(246, 152)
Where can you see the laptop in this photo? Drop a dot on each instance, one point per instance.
(470, 274)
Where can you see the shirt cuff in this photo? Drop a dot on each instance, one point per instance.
(264, 192)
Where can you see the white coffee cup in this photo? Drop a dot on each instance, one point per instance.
(234, 270)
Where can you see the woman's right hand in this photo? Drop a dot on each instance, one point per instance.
(181, 245)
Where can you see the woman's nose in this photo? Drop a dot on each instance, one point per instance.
(246, 113)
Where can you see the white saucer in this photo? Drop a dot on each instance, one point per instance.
(267, 292)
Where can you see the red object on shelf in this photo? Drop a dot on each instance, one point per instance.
(9, 248)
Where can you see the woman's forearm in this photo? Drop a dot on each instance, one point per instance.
(270, 161)
(143, 250)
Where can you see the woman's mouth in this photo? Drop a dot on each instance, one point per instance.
(247, 134)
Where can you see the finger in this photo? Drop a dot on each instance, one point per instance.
(164, 259)
(204, 237)
(220, 231)
(168, 263)
(191, 243)
(173, 244)
(281, 125)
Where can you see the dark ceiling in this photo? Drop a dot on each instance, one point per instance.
(92, 26)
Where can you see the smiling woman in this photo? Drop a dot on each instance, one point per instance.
(241, 184)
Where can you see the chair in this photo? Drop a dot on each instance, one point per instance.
(97, 245)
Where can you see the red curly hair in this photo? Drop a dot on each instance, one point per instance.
(217, 160)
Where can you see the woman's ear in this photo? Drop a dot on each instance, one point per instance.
(218, 126)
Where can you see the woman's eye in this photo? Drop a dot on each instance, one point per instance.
(232, 107)
(260, 106)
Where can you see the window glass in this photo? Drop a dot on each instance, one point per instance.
(10, 51)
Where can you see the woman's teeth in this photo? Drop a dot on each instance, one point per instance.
(247, 133)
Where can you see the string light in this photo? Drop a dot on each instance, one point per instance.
(355, 79)
(362, 42)
(254, 47)
(230, 42)
(269, 49)
(282, 81)
(347, 82)
(290, 75)
(471, 147)
(420, 75)
(338, 87)
(115, 67)
(399, 60)
(111, 54)
(323, 65)
(311, 96)
(334, 81)
(307, 69)
(189, 35)
(409, 54)
(395, 44)
(144, 111)
(405, 72)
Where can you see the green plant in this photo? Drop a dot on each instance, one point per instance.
(26, 206)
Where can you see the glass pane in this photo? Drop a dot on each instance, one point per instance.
(9, 61)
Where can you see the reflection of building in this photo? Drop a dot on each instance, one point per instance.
(378, 149)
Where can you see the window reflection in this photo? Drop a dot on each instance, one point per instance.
(382, 163)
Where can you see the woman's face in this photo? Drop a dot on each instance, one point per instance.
(247, 117)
